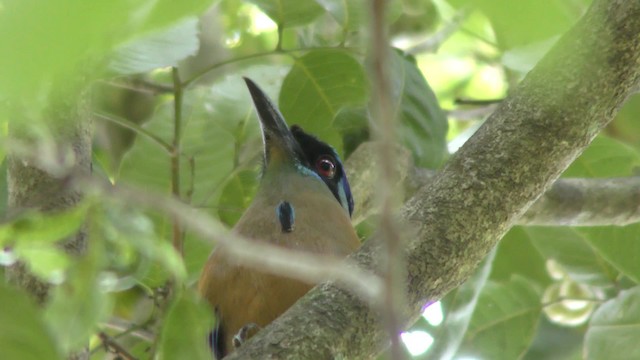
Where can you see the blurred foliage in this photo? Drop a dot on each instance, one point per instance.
(545, 293)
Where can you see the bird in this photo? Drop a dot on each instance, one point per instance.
(303, 202)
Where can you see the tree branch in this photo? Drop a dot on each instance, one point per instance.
(487, 185)
(568, 202)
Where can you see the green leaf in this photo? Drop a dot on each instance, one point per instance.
(614, 328)
(287, 13)
(605, 157)
(459, 306)
(524, 58)
(237, 195)
(78, 305)
(47, 261)
(318, 86)
(23, 334)
(618, 245)
(572, 251)
(423, 124)
(504, 322)
(83, 34)
(349, 14)
(185, 330)
(158, 49)
(37, 227)
(517, 255)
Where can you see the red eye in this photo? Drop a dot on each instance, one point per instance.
(326, 167)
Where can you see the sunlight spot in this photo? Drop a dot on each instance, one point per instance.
(261, 22)
(417, 342)
(433, 314)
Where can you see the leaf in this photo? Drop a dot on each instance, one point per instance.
(185, 330)
(349, 14)
(237, 195)
(423, 124)
(524, 58)
(614, 328)
(517, 255)
(161, 48)
(318, 86)
(571, 249)
(37, 227)
(605, 157)
(459, 306)
(83, 34)
(287, 13)
(618, 245)
(23, 334)
(77, 306)
(504, 322)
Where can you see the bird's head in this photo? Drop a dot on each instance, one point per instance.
(286, 147)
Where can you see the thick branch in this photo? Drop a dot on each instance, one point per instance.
(568, 202)
(486, 186)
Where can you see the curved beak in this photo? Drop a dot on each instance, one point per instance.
(279, 143)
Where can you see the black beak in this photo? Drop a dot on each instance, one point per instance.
(279, 143)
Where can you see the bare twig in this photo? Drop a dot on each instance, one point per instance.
(393, 261)
(113, 345)
(178, 241)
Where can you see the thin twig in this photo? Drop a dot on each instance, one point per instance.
(393, 264)
(115, 347)
(175, 157)
(433, 43)
(262, 256)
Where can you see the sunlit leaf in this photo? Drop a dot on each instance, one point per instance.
(82, 32)
(614, 329)
(23, 334)
(37, 227)
(185, 330)
(504, 321)
(349, 14)
(290, 12)
(320, 84)
(159, 49)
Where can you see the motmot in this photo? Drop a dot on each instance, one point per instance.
(303, 202)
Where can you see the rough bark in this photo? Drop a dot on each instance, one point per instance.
(487, 185)
(568, 202)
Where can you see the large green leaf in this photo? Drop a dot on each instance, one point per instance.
(605, 157)
(185, 330)
(37, 227)
(619, 246)
(423, 124)
(517, 255)
(80, 304)
(459, 306)
(318, 86)
(572, 251)
(158, 49)
(290, 12)
(23, 334)
(349, 14)
(43, 41)
(614, 328)
(504, 322)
